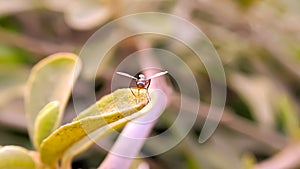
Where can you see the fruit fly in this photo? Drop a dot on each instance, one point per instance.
(142, 82)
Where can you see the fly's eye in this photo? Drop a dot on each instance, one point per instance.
(141, 76)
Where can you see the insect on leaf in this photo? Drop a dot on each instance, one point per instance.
(111, 112)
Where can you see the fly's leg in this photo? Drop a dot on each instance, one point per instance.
(148, 96)
(134, 94)
(147, 92)
(138, 94)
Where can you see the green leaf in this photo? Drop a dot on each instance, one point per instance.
(50, 80)
(14, 157)
(111, 112)
(45, 122)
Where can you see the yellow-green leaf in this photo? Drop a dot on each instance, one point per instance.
(50, 80)
(249, 161)
(89, 140)
(45, 122)
(14, 157)
(116, 108)
(116, 101)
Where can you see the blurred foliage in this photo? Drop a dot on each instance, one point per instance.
(47, 92)
(258, 42)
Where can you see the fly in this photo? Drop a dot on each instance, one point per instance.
(142, 82)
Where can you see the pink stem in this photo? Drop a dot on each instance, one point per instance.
(127, 149)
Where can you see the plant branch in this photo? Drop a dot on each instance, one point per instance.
(287, 158)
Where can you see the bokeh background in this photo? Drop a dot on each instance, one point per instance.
(257, 41)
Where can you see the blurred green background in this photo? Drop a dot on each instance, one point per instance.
(259, 45)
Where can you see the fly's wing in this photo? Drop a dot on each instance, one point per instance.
(127, 75)
(157, 75)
